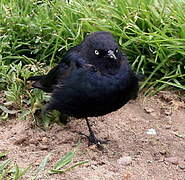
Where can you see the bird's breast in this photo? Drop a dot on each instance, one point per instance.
(89, 93)
(93, 83)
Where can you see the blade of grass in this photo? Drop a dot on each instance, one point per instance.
(54, 171)
(43, 164)
(172, 84)
(64, 160)
(4, 165)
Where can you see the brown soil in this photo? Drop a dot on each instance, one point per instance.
(160, 156)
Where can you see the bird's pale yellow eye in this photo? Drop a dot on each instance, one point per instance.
(96, 52)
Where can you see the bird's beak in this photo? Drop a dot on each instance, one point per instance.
(111, 54)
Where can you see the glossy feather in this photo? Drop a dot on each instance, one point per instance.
(84, 84)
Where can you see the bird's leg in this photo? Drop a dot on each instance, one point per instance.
(92, 138)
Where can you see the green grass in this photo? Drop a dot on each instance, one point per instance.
(35, 34)
(9, 170)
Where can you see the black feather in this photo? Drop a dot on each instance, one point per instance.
(89, 81)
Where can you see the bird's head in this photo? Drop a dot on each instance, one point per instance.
(102, 45)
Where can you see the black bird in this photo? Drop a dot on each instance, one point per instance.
(93, 79)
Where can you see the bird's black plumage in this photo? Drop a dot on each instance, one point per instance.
(93, 79)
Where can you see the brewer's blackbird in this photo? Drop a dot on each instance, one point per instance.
(93, 79)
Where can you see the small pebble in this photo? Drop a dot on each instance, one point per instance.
(163, 152)
(125, 160)
(45, 139)
(173, 160)
(148, 110)
(168, 126)
(151, 131)
(43, 147)
(93, 167)
(126, 176)
(182, 165)
(167, 112)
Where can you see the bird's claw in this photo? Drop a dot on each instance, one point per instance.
(92, 140)
(99, 143)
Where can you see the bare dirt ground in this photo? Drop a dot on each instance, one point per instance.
(147, 142)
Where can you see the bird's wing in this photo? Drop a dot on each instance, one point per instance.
(48, 82)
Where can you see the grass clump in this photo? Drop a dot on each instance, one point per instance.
(10, 170)
(33, 33)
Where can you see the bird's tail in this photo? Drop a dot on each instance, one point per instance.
(34, 78)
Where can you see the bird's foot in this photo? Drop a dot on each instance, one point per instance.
(92, 140)
(98, 142)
